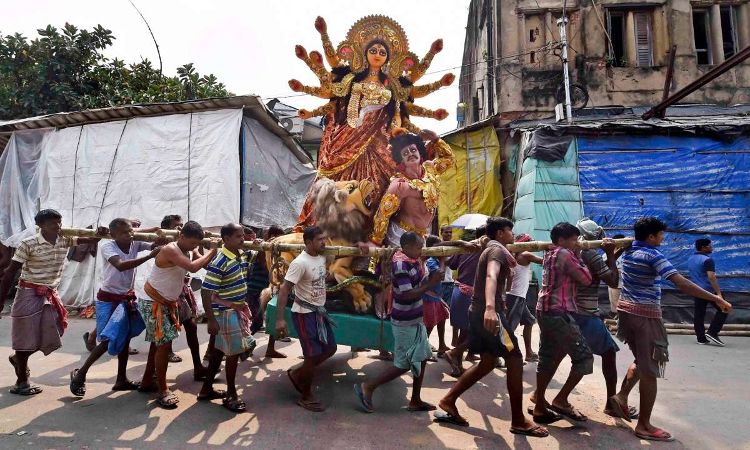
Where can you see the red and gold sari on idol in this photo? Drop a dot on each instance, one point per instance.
(359, 153)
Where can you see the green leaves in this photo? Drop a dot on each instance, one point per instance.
(65, 70)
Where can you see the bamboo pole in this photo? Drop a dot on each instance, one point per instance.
(171, 235)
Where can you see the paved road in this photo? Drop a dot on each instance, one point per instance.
(703, 402)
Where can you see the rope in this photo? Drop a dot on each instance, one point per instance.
(75, 169)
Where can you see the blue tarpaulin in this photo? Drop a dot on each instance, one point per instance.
(698, 186)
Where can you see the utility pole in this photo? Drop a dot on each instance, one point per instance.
(490, 62)
(562, 23)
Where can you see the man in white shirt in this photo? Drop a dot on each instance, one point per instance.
(306, 277)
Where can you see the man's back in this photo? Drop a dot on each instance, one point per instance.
(699, 265)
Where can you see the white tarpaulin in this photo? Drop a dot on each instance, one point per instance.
(275, 181)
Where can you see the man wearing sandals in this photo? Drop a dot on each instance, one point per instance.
(224, 291)
(489, 333)
(411, 345)
(117, 316)
(38, 317)
(640, 321)
(307, 278)
(563, 272)
(159, 308)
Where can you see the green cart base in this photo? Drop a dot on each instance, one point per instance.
(357, 331)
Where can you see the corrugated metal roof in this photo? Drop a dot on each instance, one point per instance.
(252, 106)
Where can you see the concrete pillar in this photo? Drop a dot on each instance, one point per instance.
(631, 52)
(717, 41)
(743, 27)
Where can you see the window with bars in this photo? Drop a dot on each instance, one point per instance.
(702, 37)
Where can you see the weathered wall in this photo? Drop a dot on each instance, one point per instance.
(527, 77)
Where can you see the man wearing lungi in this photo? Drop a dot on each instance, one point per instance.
(38, 317)
(306, 277)
(411, 346)
(117, 316)
(224, 291)
(159, 308)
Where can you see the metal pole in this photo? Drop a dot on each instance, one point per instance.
(562, 23)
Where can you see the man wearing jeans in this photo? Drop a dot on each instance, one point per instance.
(703, 273)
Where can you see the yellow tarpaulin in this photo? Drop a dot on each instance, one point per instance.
(473, 186)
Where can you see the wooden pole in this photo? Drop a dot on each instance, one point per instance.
(171, 235)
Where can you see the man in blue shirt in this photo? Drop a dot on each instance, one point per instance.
(703, 273)
(640, 321)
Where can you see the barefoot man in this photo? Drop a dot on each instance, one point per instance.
(159, 309)
(38, 317)
(489, 335)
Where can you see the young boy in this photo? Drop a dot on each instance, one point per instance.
(640, 321)
(489, 335)
(224, 291)
(38, 317)
(160, 310)
(518, 312)
(435, 310)
(307, 278)
(117, 316)
(562, 272)
(411, 347)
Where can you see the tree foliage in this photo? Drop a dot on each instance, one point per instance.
(65, 70)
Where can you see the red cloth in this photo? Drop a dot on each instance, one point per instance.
(187, 291)
(128, 298)
(639, 309)
(465, 289)
(434, 313)
(52, 297)
(242, 310)
(156, 309)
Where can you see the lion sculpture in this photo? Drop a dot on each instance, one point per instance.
(339, 208)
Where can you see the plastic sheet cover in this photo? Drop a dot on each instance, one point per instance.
(275, 182)
(547, 193)
(698, 186)
(473, 186)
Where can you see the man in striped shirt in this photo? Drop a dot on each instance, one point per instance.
(38, 317)
(411, 347)
(562, 272)
(640, 321)
(223, 293)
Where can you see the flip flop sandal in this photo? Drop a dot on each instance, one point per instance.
(284, 339)
(174, 358)
(13, 363)
(570, 414)
(455, 369)
(28, 389)
(133, 351)
(440, 416)
(89, 346)
(76, 387)
(214, 395)
(311, 406)
(531, 432)
(618, 410)
(423, 407)
(236, 405)
(129, 386)
(658, 435)
(431, 359)
(168, 401)
(366, 404)
(296, 386)
(546, 418)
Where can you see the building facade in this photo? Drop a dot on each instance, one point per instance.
(618, 53)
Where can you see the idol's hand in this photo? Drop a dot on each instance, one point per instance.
(320, 25)
(428, 135)
(447, 79)
(300, 52)
(305, 114)
(437, 46)
(441, 114)
(296, 85)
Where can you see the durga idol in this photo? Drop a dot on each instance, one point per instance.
(371, 90)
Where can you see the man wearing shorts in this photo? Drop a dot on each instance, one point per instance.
(306, 277)
(562, 272)
(518, 312)
(640, 321)
(489, 335)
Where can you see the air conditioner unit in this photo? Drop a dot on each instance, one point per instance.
(294, 125)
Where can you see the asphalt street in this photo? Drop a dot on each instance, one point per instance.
(703, 402)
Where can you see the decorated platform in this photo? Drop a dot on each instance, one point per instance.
(362, 331)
